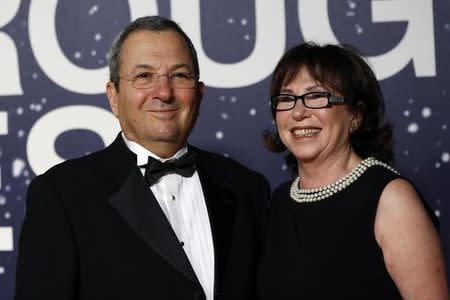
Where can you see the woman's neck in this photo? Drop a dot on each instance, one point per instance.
(323, 171)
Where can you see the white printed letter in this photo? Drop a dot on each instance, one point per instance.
(51, 58)
(41, 140)
(9, 62)
(269, 44)
(417, 44)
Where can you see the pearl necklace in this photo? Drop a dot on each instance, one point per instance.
(317, 194)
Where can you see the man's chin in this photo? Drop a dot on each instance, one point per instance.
(167, 137)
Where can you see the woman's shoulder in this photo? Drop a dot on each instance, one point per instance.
(405, 232)
(401, 197)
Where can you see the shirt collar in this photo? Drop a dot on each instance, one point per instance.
(142, 153)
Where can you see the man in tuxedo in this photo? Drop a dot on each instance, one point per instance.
(148, 217)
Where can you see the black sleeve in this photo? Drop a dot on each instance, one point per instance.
(46, 263)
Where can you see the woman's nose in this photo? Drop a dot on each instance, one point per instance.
(300, 111)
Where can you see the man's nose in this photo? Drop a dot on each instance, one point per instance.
(163, 89)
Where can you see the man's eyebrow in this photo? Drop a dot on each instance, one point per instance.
(143, 66)
(181, 66)
(150, 67)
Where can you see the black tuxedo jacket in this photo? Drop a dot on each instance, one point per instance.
(94, 230)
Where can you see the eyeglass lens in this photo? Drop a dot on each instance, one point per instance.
(310, 100)
(177, 80)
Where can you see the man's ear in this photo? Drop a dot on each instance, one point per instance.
(200, 90)
(111, 93)
(200, 93)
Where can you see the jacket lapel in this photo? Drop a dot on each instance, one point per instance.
(137, 205)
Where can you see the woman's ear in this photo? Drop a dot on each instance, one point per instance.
(354, 125)
(357, 117)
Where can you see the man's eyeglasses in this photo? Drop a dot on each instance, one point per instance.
(312, 100)
(145, 80)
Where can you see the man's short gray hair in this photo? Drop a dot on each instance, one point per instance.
(152, 23)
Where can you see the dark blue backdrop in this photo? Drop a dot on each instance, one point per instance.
(53, 73)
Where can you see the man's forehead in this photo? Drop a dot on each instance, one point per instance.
(148, 49)
(154, 38)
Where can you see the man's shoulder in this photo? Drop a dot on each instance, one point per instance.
(216, 159)
(231, 174)
(224, 165)
(85, 166)
(72, 164)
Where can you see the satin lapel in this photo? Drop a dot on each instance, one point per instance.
(220, 202)
(137, 205)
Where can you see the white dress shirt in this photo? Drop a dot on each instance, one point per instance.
(182, 201)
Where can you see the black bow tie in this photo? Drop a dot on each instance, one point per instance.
(183, 166)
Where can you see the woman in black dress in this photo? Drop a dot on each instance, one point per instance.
(349, 226)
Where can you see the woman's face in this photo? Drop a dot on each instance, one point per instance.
(313, 134)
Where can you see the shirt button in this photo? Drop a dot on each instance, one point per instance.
(173, 197)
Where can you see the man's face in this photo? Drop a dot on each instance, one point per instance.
(161, 117)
